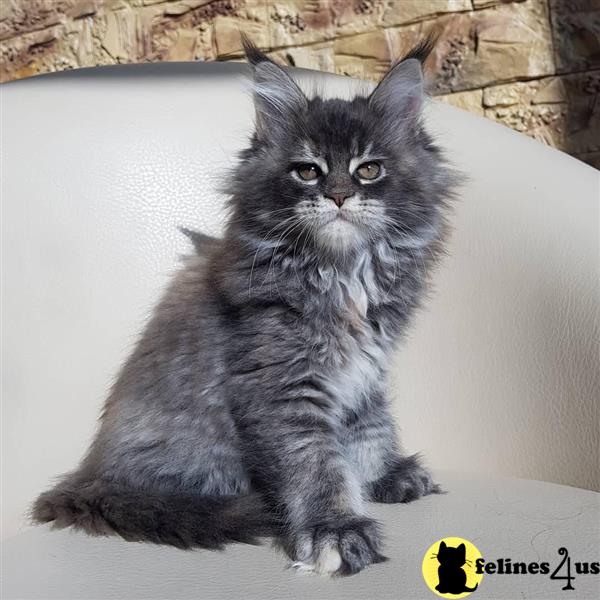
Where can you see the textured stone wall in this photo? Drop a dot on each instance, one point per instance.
(533, 65)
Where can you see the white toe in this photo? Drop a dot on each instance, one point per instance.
(329, 561)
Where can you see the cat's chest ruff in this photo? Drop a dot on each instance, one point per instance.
(353, 292)
(356, 355)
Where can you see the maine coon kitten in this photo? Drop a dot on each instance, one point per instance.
(254, 403)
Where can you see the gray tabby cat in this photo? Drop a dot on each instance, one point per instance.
(254, 403)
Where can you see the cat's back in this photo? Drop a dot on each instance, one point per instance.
(179, 349)
(169, 396)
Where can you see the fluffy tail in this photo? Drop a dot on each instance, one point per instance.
(178, 519)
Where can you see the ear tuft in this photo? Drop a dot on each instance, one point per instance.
(253, 54)
(277, 98)
(423, 49)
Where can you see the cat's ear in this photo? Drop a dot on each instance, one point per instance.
(277, 97)
(400, 94)
(442, 545)
(462, 549)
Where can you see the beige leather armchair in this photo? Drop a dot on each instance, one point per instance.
(498, 383)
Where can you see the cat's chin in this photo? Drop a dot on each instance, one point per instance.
(339, 235)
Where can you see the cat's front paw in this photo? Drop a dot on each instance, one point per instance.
(406, 481)
(342, 546)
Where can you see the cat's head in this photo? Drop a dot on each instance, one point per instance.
(452, 557)
(339, 174)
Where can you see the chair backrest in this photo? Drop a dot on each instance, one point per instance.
(99, 167)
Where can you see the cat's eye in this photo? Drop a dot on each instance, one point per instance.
(308, 172)
(368, 171)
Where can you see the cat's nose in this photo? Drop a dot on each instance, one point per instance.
(339, 196)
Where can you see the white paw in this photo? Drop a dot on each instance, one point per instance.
(328, 563)
(329, 560)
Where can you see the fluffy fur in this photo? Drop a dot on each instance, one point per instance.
(254, 402)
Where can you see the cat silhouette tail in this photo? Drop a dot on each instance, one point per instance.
(471, 589)
(179, 519)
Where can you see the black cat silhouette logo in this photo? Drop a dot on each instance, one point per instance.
(453, 579)
(449, 568)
